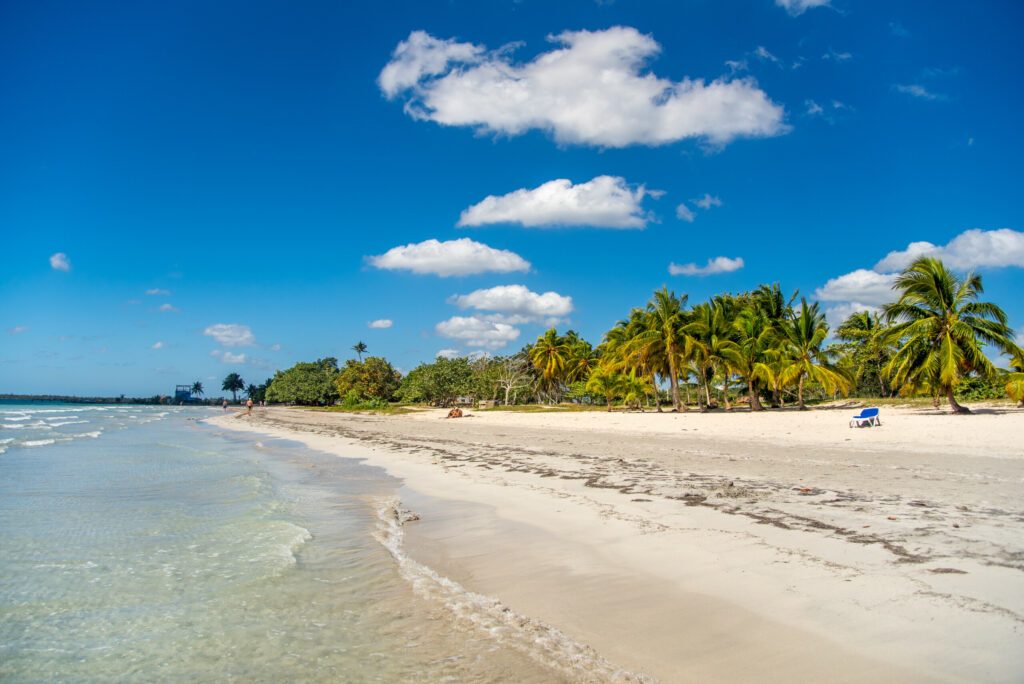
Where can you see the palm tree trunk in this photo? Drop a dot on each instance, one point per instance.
(800, 394)
(755, 400)
(725, 392)
(956, 408)
(673, 381)
(657, 397)
(707, 391)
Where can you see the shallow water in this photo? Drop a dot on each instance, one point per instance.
(139, 544)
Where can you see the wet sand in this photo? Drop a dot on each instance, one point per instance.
(723, 546)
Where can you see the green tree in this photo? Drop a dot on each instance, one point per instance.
(307, 384)
(373, 378)
(752, 354)
(359, 348)
(942, 327)
(806, 358)
(233, 383)
(665, 338)
(549, 355)
(606, 383)
(197, 388)
(1015, 381)
(439, 383)
(865, 351)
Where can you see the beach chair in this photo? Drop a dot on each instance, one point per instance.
(867, 417)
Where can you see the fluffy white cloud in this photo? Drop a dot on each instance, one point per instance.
(450, 258)
(231, 334)
(684, 213)
(916, 90)
(380, 324)
(603, 202)
(475, 331)
(155, 291)
(862, 285)
(707, 201)
(228, 357)
(157, 345)
(590, 89)
(970, 249)
(448, 354)
(60, 262)
(835, 315)
(813, 107)
(516, 304)
(17, 330)
(798, 7)
(168, 307)
(717, 265)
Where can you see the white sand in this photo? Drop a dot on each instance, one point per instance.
(725, 546)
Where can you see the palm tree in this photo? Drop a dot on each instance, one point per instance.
(233, 383)
(942, 325)
(752, 354)
(712, 346)
(359, 348)
(806, 358)
(197, 388)
(549, 356)
(251, 391)
(1015, 380)
(606, 383)
(635, 389)
(665, 337)
(865, 349)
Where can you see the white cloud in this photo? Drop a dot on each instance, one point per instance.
(17, 330)
(516, 304)
(228, 357)
(168, 307)
(157, 345)
(736, 65)
(798, 7)
(970, 249)
(450, 258)
(837, 56)
(868, 287)
(448, 354)
(475, 331)
(603, 202)
(156, 291)
(592, 88)
(684, 213)
(274, 347)
(813, 107)
(707, 201)
(917, 90)
(714, 266)
(60, 262)
(231, 334)
(762, 53)
(380, 324)
(835, 315)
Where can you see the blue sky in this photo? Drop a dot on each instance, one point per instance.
(262, 168)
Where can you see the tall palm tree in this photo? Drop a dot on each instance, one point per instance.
(605, 382)
(549, 356)
(359, 348)
(712, 344)
(1015, 380)
(943, 326)
(665, 337)
(806, 357)
(197, 388)
(635, 389)
(865, 349)
(233, 383)
(752, 354)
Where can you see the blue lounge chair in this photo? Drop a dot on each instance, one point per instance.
(867, 417)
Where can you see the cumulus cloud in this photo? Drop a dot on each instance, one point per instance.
(714, 266)
(156, 291)
(798, 7)
(516, 304)
(380, 324)
(450, 258)
(684, 213)
(228, 357)
(916, 90)
(475, 331)
(970, 249)
(603, 202)
(592, 88)
(447, 354)
(60, 262)
(835, 315)
(157, 345)
(168, 307)
(231, 334)
(868, 287)
(707, 201)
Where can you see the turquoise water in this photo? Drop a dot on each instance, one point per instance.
(140, 544)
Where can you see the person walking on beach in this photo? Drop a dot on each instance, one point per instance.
(225, 405)
(248, 407)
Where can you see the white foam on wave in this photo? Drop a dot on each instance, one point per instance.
(60, 423)
(94, 434)
(543, 643)
(6, 441)
(39, 442)
(25, 426)
(17, 418)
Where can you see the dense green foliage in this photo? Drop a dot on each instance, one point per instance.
(440, 382)
(306, 384)
(372, 379)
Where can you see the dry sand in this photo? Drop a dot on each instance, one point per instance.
(781, 546)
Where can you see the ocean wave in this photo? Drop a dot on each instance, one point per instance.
(25, 426)
(39, 442)
(544, 644)
(6, 441)
(93, 435)
(67, 422)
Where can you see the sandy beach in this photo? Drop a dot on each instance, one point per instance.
(781, 546)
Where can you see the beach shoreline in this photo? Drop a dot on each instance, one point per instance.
(724, 546)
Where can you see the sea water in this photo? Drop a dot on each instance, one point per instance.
(141, 544)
